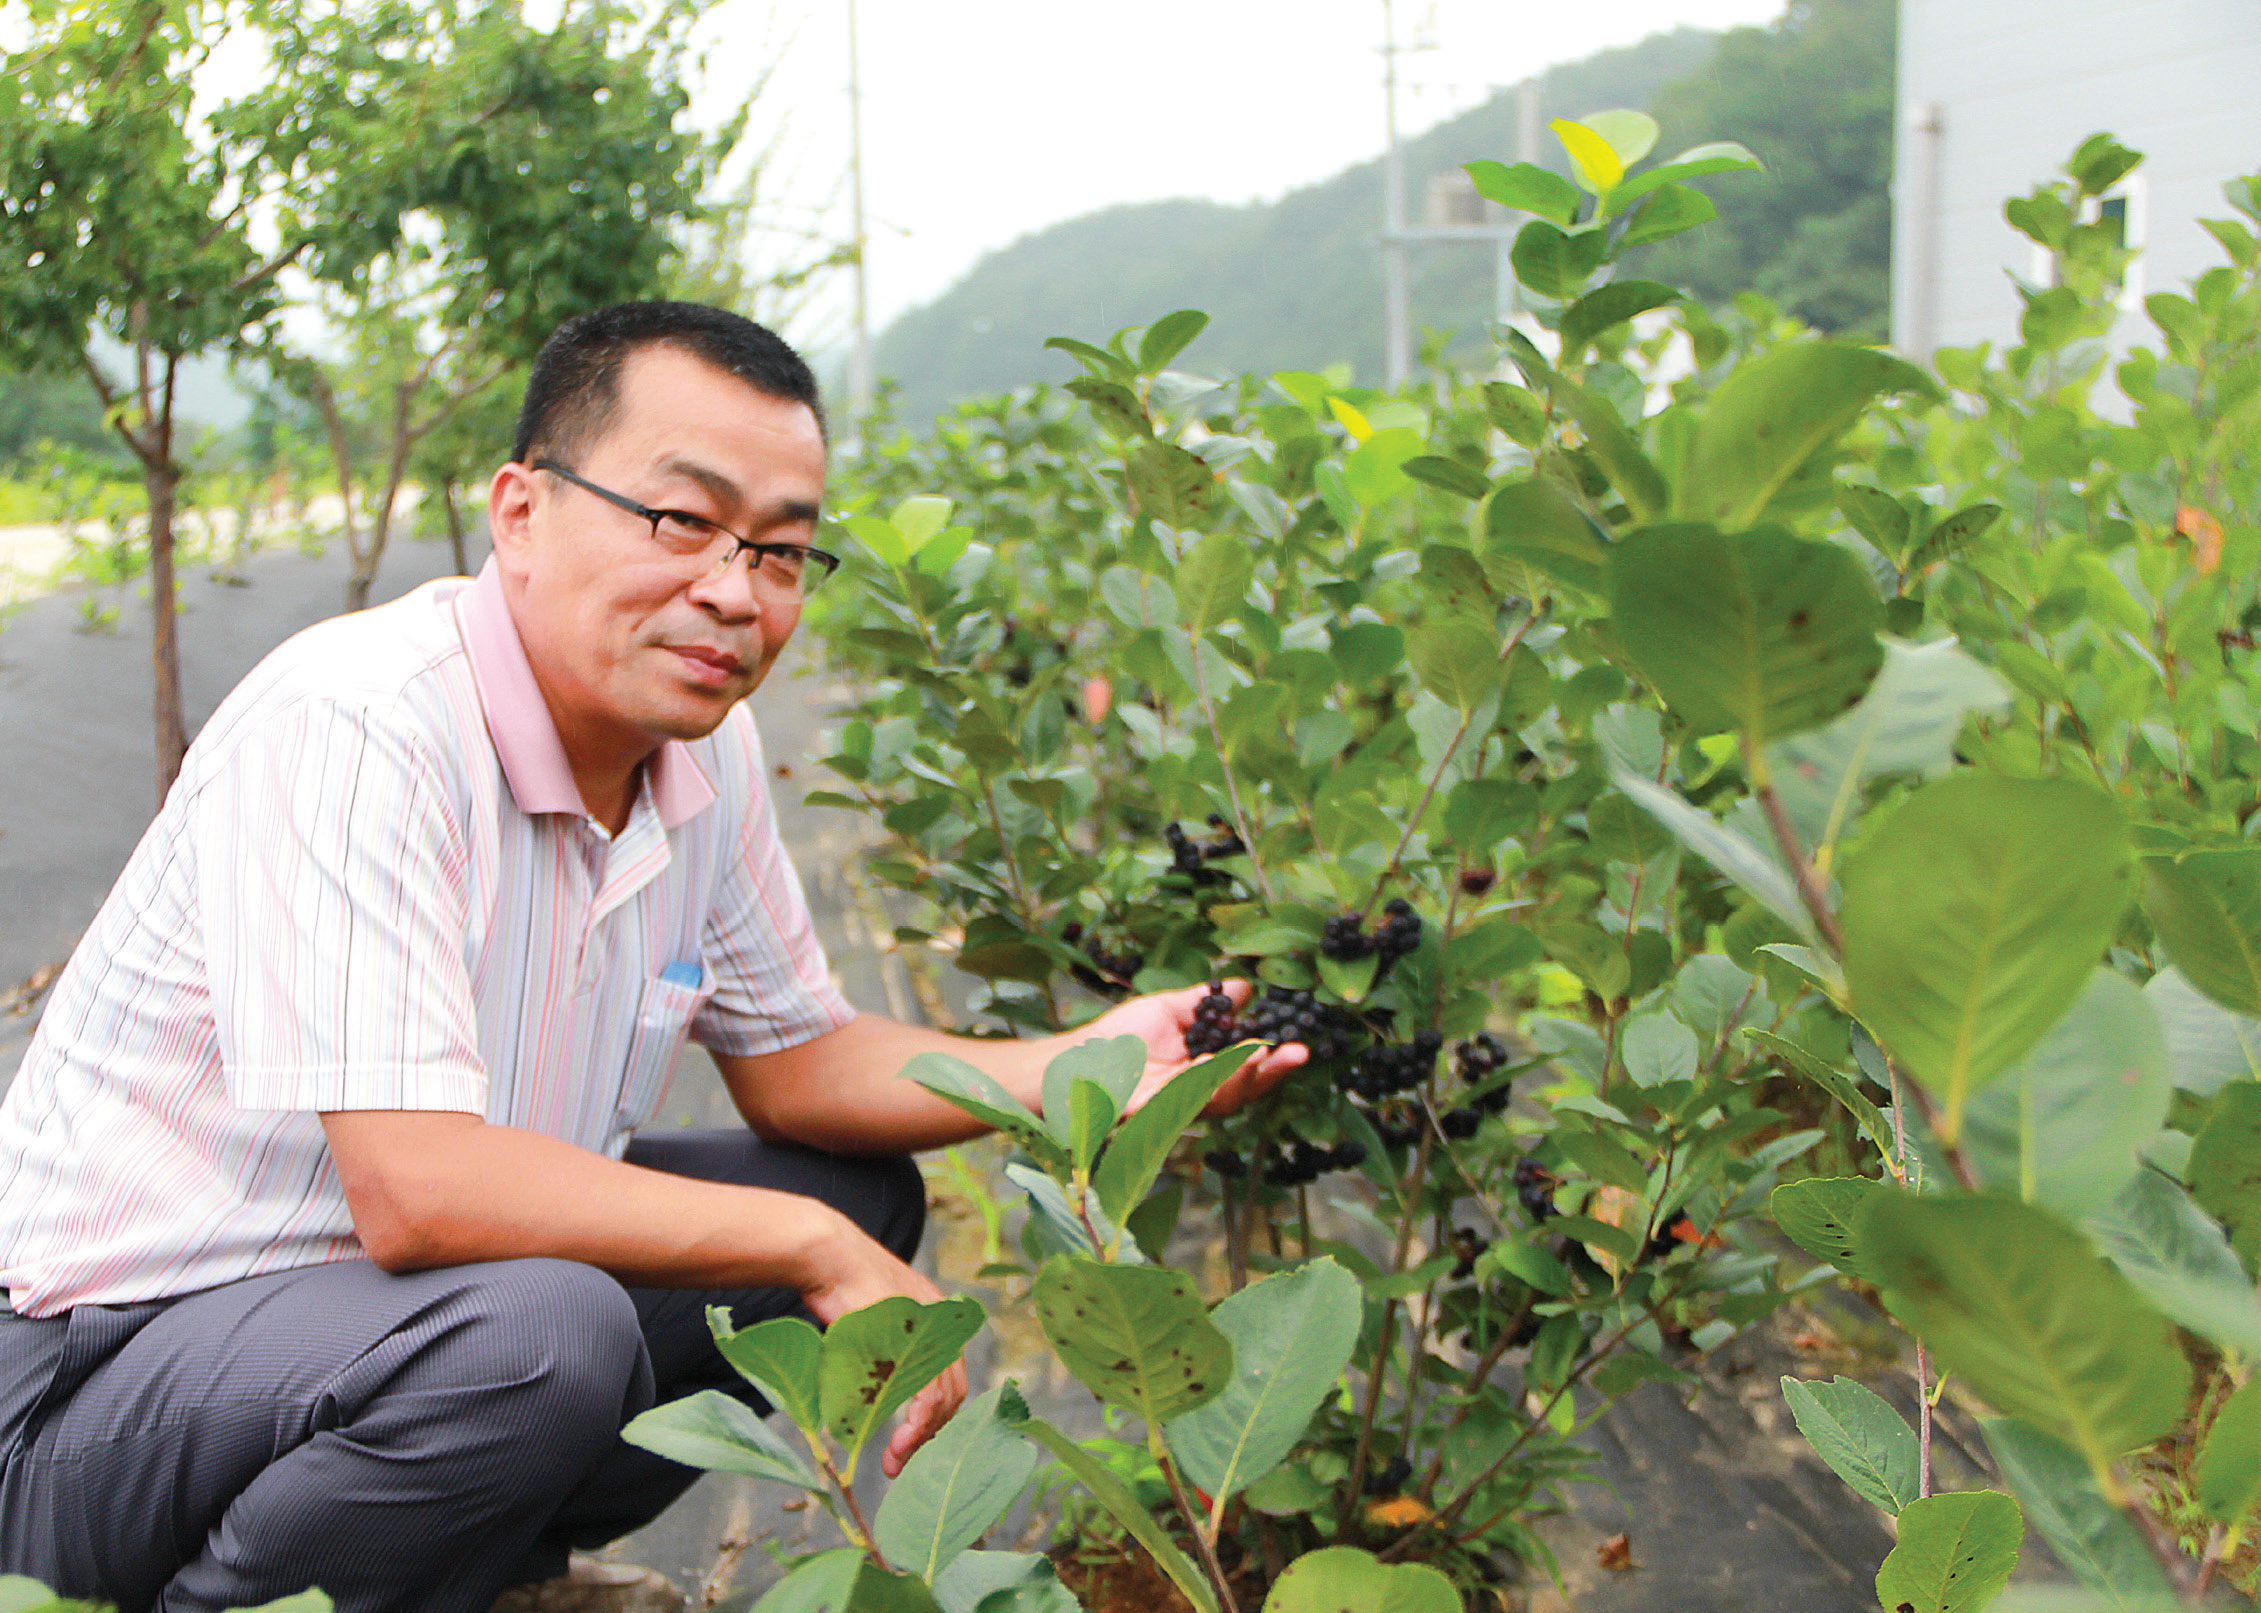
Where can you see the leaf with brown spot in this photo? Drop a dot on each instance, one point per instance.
(867, 1371)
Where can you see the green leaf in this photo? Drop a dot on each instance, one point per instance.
(2061, 1126)
(876, 1358)
(19, 1594)
(1374, 472)
(1865, 1442)
(1019, 1582)
(1214, 579)
(2018, 1305)
(2207, 1045)
(1713, 157)
(2229, 1464)
(845, 1581)
(1456, 661)
(880, 537)
(1171, 484)
(2063, 1502)
(1096, 359)
(1973, 918)
(306, 1601)
(1772, 414)
(1609, 305)
(1535, 523)
(1876, 515)
(1953, 535)
(1955, 1553)
(983, 1096)
(1555, 262)
(1821, 1215)
(1833, 1081)
(1343, 1579)
(1115, 405)
(1516, 412)
(1291, 1336)
(1724, 848)
(1134, 1158)
(2225, 1166)
(778, 1357)
(1908, 722)
(1167, 337)
(1669, 211)
(1135, 1336)
(1448, 474)
(721, 1434)
(1112, 1063)
(2176, 1254)
(2206, 907)
(1629, 470)
(919, 518)
(1602, 1159)
(1629, 134)
(1758, 631)
(1527, 188)
(1115, 1498)
(955, 1487)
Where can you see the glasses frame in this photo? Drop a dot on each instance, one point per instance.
(827, 562)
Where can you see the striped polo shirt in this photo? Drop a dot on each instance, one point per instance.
(375, 886)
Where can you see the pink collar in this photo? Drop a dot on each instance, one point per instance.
(525, 738)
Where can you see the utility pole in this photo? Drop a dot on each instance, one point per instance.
(1397, 337)
(862, 387)
(1400, 238)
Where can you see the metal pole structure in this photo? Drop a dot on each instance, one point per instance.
(862, 387)
(1397, 341)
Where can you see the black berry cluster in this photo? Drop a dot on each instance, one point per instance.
(1280, 1015)
(1476, 881)
(1400, 932)
(1390, 1479)
(1460, 1124)
(1344, 938)
(1192, 857)
(1225, 1163)
(1110, 970)
(1467, 1245)
(1392, 1067)
(1476, 1061)
(1299, 1162)
(1534, 1187)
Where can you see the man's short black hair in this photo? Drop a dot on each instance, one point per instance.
(575, 383)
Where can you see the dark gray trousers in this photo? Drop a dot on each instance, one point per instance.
(404, 1442)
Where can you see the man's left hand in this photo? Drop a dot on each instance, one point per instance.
(1161, 1019)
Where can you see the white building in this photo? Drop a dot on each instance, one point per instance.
(1994, 95)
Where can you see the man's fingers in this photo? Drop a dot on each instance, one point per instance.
(1257, 1077)
(923, 1418)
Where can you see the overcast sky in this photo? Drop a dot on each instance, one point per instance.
(987, 119)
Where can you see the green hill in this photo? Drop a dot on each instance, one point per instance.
(1296, 283)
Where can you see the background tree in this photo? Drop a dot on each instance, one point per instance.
(514, 176)
(127, 222)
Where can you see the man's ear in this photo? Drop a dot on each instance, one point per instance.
(510, 516)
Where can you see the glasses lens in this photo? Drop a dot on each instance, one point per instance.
(688, 535)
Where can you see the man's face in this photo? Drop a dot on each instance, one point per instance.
(633, 644)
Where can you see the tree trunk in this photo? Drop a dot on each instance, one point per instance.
(365, 562)
(341, 453)
(161, 476)
(454, 516)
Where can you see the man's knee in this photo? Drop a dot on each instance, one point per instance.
(558, 1334)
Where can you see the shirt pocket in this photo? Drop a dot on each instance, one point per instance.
(663, 1017)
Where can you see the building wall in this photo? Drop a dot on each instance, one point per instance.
(2008, 88)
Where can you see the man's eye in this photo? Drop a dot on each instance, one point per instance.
(679, 529)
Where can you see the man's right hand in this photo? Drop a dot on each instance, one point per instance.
(852, 1270)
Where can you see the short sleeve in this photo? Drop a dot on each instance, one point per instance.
(334, 886)
(773, 985)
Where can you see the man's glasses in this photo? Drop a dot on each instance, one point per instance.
(790, 570)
